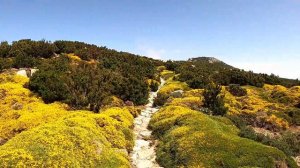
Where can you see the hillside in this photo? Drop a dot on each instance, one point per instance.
(188, 138)
(90, 106)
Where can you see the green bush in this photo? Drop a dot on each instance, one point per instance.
(288, 142)
(237, 90)
(292, 116)
(160, 100)
(22, 60)
(213, 100)
(83, 85)
(281, 97)
(295, 116)
(50, 85)
(197, 82)
(154, 86)
(4, 49)
(5, 63)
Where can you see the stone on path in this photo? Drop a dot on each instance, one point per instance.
(143, 154)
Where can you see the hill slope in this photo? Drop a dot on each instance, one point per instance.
(77, 110)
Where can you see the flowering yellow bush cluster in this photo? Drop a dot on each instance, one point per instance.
(21, 110)
(194, 93)
(74, 57)
(191, 98)
(260, 101)
(79, 139)
(281, 94)
(169, 87)
(279, 122)
(112, 101)
(49, 135)
(161, 68)
(190, 102)
(189, 138)
(271, 101)
(166, 74)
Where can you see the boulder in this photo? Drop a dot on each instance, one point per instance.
(32, 71)
(177, 94)
(22, 73)
(129, 103)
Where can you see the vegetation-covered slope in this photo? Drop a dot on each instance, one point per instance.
(189, 137)
(82, 80)
(48, 120)
(198, 72)
(47, 135)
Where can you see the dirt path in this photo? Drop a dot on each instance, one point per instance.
(143, 154)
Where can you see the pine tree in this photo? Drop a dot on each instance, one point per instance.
(213, 99)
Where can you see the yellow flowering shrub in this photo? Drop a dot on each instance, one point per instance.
(260, 100)
(161, 68)
(135, 111)
(166, 74)
(281, 94)
(21, 110)
(74, 57)
(169, 87)
(189, 138)
(112, 101)
(10, 77)
(191, 102)
(278, 122)
(194, 93)
(120, 114)
(50, 135)
(80, 139)
(152, 81)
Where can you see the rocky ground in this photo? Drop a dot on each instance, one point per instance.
(143, 154)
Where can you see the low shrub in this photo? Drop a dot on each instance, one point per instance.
(112, 101)
(167, 89)
(194, 103)
(286, 142)
(80, 139)
(214, 100)
(39, 134)
(237, 90)
(5, 63)
(294, 116)
(166, 74)
(281, 97)
(154, 86)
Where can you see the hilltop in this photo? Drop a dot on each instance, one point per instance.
(78, 109)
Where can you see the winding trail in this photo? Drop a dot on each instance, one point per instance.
(143, 154)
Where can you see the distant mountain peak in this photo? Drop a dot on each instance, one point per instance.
(208, 59)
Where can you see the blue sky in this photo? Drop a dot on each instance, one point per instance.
(261, 35)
